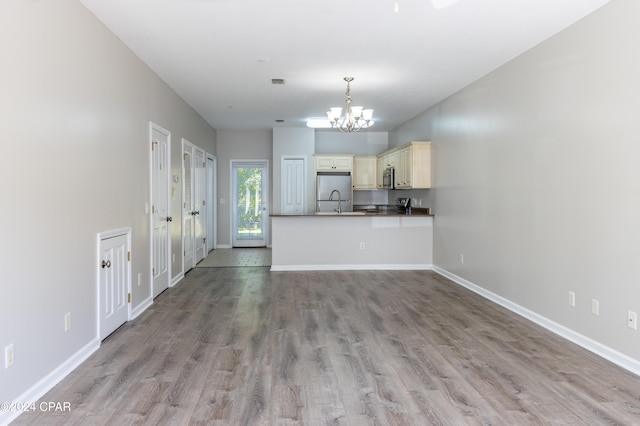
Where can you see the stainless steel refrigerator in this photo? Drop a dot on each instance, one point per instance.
(338, 184)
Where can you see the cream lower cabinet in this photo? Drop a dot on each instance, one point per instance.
(364, 172)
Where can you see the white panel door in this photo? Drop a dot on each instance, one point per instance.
(160, 210)
(293, 185)
(199, 204)
(113, 283)
(211, 203)
(187, 214)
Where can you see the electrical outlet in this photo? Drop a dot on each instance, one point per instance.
(8, 356)
(632, 320)
(462, 258)
(595, 307)
(67, 321)
(362, 246)
(572, 298)
(140, 279)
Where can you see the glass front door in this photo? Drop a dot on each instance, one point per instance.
(250, 216)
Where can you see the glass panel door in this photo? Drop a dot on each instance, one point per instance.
(250, 220)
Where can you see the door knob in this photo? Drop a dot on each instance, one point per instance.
(106, 264)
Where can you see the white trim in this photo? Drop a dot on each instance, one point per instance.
(177, 279)
(224, 246)
(44, 385)
(135, 313)
(610, 354)
(354, 267)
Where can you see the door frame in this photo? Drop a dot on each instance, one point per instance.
(103, 236)
(266, 200)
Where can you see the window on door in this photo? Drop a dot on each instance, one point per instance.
(250, 185)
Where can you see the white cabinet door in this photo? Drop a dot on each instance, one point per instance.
(113, 283)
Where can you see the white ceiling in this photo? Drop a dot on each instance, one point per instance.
(220, 55)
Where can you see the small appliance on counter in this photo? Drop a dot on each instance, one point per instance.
(403, 205)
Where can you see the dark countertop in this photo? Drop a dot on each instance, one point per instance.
(419, 212)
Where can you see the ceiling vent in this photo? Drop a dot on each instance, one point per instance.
(277, 81)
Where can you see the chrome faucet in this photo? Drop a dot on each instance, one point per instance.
(339, 209)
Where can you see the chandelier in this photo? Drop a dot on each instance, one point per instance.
(355, 117)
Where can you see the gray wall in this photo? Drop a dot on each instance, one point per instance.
(238, 145)
(359, 143)
(75, 107)
(537, 177)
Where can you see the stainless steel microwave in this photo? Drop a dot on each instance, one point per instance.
(388, 178)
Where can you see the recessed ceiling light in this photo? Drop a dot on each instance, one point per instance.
(277, 81)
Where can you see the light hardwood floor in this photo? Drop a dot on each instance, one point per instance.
(245, 346)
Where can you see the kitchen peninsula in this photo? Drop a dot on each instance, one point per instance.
(352, 241)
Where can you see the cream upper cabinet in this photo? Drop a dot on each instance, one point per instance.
(364, 172)
(413, 166)
(380, 166)
(334, 163)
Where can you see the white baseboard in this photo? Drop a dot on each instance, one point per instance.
(355, 267)
(135, 313)
(37, 391)
(224, 246)
(175, 280)
(610, 354)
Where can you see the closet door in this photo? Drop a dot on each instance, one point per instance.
(187, 206)
(199, 208)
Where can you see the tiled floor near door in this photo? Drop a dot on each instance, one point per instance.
(235, 257)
